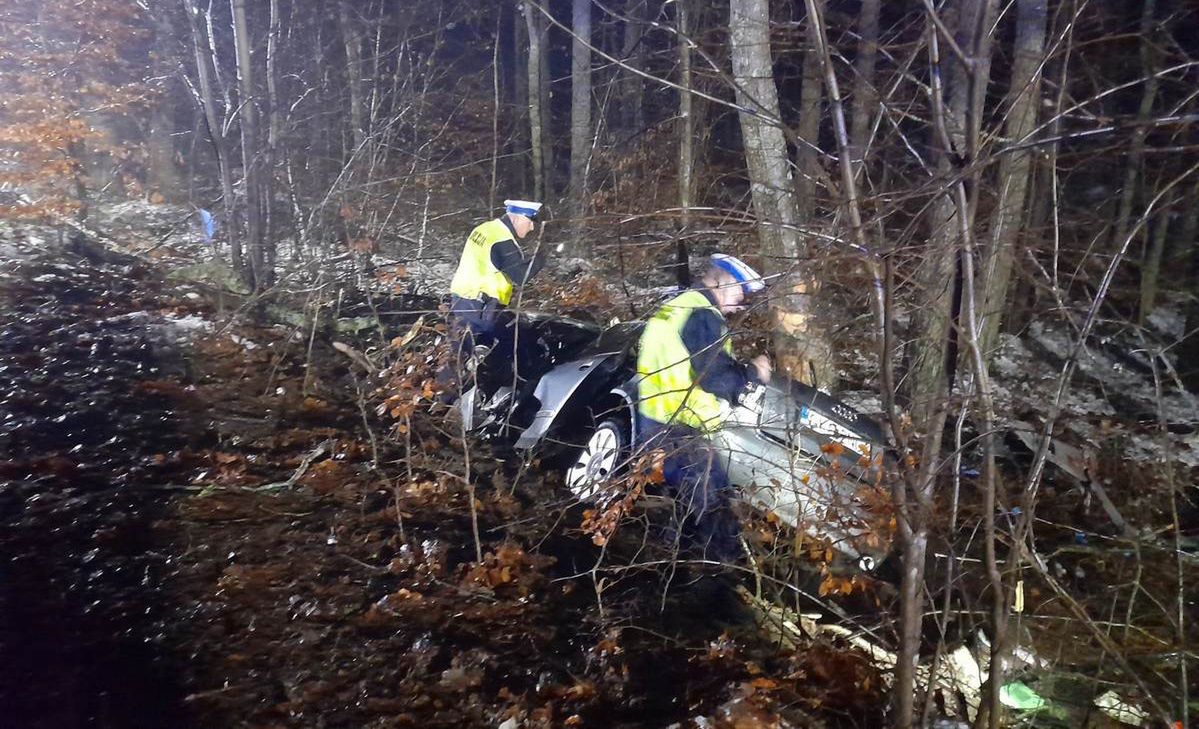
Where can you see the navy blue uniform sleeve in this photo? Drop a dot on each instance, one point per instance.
(506, 256)
(715, 371)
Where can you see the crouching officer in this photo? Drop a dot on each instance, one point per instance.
(492, 266)
(688, 383)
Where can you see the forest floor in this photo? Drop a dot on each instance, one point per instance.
(203, 523)
(206, 521)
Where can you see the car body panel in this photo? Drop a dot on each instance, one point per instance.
(555, 391)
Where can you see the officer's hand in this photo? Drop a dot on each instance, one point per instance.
(763, 368)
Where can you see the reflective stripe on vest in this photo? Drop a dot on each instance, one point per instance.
(476, 275)
(667, 391)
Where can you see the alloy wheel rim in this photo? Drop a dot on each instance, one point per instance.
(595, 464)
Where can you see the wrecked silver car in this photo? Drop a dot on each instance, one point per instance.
(793, 451)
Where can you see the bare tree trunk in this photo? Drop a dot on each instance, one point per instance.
(1136, 151)
(162, 174)
(808, 128)
(550, 170)
(686, 133)
(220, 145)
(353, 47)
(865, 97)
(940, 275)
(1014, 168)
(536, 29)
(261, 276)
(1188, 240)
(520, 104)
(633, 53)
(957, 130)
(274, 127)
(495, 109)
(800, 346)
(765, 147)
(1152, 267)
(580, 113)
(274, 123)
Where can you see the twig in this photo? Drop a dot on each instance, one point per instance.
(317, 452)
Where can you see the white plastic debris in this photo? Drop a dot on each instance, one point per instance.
(1111, 704)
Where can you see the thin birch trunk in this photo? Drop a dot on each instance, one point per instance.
(520, 105)
(549, 170)
(1136, 152)
(808, 127)
(261, 276)
(633, 53)
(1014, 169)
(939, 275)
(1152, 267)
(686, 125)
(580, 113)
(535, 84)
(495, 111)
(220, 144)
(686, 133)
(865, 96)
(353, 48)
(765, 147)
(274, 123)
(799, 343)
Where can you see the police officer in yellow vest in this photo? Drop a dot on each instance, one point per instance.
(492, 265)
(688, 382)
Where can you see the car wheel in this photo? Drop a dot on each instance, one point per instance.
(598, 461)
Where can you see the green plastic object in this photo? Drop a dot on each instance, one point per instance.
(1016, 695)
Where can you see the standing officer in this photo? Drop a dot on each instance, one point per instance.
(492, 265)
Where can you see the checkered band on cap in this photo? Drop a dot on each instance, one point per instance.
(526, 208)
(750, 280)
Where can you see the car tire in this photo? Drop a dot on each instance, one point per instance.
(598, 462)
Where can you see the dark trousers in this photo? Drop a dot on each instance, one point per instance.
(478, 323)
(704, 521)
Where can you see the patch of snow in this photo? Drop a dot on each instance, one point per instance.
(864, 401)
(245, 343)
(1168, 321)
(189, 323)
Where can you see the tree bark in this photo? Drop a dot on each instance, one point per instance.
(802, 350)
(353, 48)
(520, 104)
(865, 97)
(220, 145)
(536, 30)
(939, 275)
(1014, 168)
(633, 53)
(580, 113)
(1151, 268)
(1188, 240)
(765, 147)
(808, 128)
(1136, 153)
(956, 130)
(260, 275)
(686, 135)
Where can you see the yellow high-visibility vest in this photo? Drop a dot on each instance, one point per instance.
(476, 275)
(667, 391)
